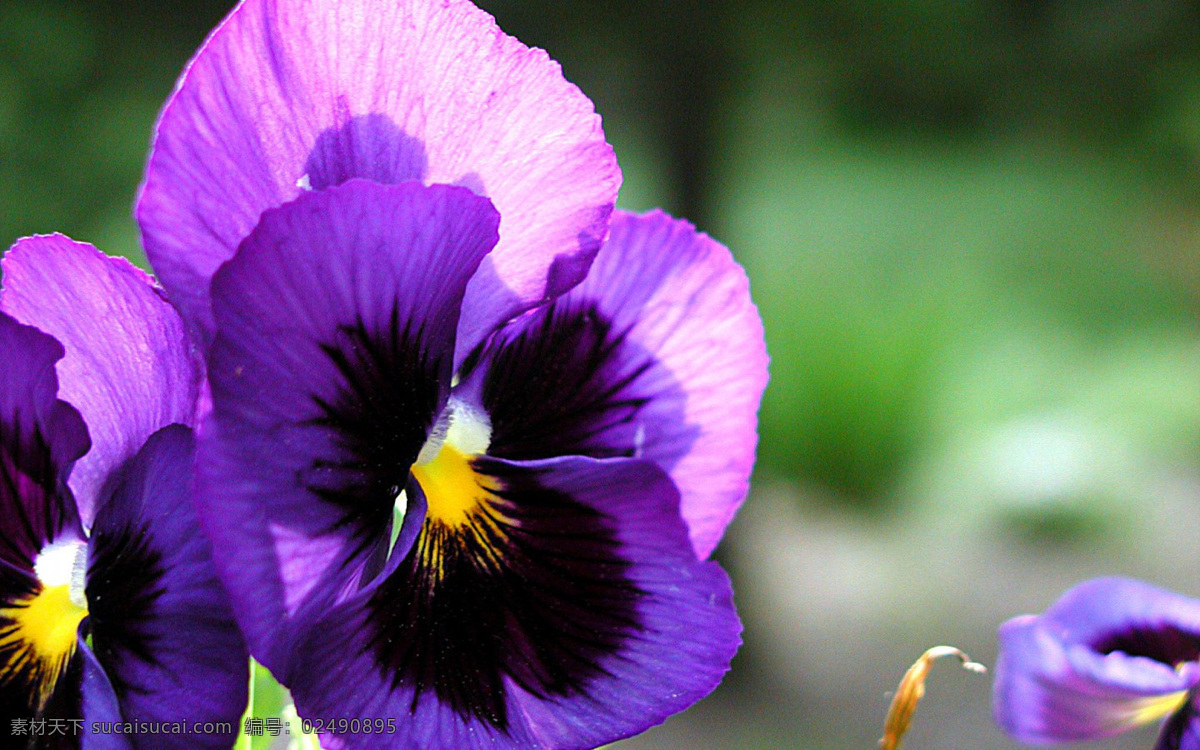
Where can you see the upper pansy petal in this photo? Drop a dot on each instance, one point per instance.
(658, 354)
(1097, 663)
(161, 623)
(1114, 613)
(564, 608)
(129, 368)
(335, 338)
(287, 95)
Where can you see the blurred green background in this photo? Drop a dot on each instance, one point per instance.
(973, 231)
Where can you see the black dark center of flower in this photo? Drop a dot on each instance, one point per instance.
(385, 407)
(1162, 642)
(34, 508)
(570, 382)
(124, 581)
(509, 584)
(526, 587)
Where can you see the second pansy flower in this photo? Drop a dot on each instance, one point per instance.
(1110, 655)
(111, 614)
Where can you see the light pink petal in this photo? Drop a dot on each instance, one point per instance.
(291, 95)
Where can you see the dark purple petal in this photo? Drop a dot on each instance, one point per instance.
(568, 611)
(161, 622)
(100, 708)
(1110, 655)
(84, 695)
(128, 368)
(658, 354)
(310, 93)
(40, 438)
(335, 338)
(1182, 730)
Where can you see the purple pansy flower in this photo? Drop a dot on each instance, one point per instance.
(110, 610)
(1111, 654)
(378, 217)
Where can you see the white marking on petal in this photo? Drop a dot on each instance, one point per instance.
(462, 426)
(639, 440)
(64, 563)
(470, 428)
(399, 510)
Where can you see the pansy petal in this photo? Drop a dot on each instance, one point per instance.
(128, 367)
(66, 722)
(100, 708)
(1111, 614)
(288, 96)
(1090, 667)
(1182, 730)
(161, 624)
(658, 354)
(569, 611)
(79, 695)
(335, 334)
(40, 438)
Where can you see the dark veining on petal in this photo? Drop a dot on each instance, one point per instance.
(533, 589)
(124, 581)
(384, 408)
(557, 387)
(65, 704)
(1162, 642)
(26, 681)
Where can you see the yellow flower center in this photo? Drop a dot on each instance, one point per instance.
(453, 489)
(1152, 709)
(38, 636)
(38, 630)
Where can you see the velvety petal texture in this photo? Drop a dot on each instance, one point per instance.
(161, 623)
(658, 354)
(568, 610)
(128, 368)
(291, 95)
(332, 359)
(1111, 654)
